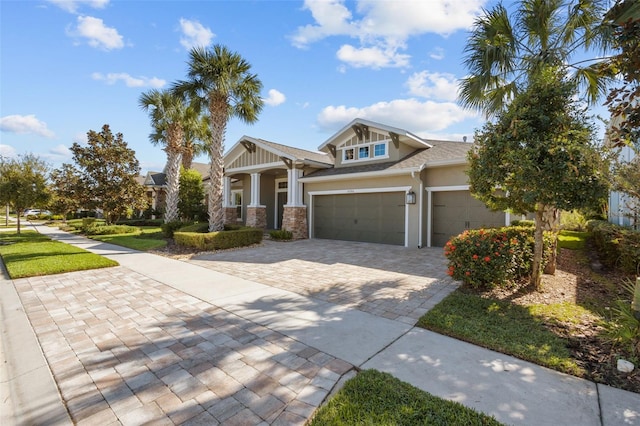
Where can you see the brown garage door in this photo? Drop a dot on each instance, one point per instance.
(455, 211)
(369, 217)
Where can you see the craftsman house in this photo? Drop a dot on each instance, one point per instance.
(368, 182)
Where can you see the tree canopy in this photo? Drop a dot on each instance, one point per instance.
(108, 171)
(23, 183)
(540, 153)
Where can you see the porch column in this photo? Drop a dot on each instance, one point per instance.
(256, 213)
(230, 215)
(294, 216)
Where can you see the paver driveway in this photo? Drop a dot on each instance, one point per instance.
(397, 283)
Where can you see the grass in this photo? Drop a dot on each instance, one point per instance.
(505, 327)
(572, 240)
(149, 238)
(31, 254)
(376, 398)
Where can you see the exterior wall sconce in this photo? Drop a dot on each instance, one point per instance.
(411, 197)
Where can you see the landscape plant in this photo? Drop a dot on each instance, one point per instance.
(66, 189)
(108, 174)
(221, 82)
(190, 200)
(23, 183)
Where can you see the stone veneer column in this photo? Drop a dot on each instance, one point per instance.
(257, 216)
(230, 216)
(294, 219)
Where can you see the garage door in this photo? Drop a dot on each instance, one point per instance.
(455, 211)
(368, 217)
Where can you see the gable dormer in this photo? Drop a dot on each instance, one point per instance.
(366, 142)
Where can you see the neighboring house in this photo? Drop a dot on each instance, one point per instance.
(620, 204)
(369, 182)
(155, 184)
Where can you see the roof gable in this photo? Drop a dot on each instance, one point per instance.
(248, 152)
(363, 129)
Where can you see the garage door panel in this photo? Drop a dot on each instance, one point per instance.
(455, 211)
(368, 217)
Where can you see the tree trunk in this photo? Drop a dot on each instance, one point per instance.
(187, 155)
(552, 223)
(218, 109)
(536, 269)
(174, 158)
(173, 186)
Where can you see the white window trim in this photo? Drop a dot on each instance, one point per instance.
(356, 152)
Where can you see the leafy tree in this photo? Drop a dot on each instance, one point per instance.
(191, 194)
(505, 50)
(67, 190)
(540, 154)
(626, 179)
(23, 183)
(108, 172)
(220, 81)
(624, 99)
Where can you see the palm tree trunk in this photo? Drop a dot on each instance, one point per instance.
(174, 158)
(187, 155)
(218, 109)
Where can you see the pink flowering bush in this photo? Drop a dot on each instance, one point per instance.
(484, 258)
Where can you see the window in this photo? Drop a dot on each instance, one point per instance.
(348, 154)
(363, 152)
(380, 150)
(236, 201)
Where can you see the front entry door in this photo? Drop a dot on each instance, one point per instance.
(282, 200)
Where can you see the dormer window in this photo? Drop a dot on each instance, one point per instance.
(363, 152)
(348, 154)
(380, 150)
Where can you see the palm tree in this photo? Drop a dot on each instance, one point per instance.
(220, 81)
(169, 116)
(196, 137)
(504, 51)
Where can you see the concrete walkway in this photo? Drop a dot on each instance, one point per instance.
(169, 342)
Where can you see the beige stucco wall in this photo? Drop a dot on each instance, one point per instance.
(446, 176)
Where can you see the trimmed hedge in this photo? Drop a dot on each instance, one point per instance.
(219, 240)
(618, 246)
(484, 258)
(111, 230)
(140, 222)
(281, 235)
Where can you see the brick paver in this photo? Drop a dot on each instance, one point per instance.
(393, 282)
(125, 349)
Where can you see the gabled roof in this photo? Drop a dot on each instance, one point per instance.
(403, 135)
(441, 153)
(283, 151)
(202, 168)
(155, 179)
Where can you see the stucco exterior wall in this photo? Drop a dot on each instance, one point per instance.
(446, 176)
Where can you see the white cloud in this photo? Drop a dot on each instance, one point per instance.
(437, 54)
(80, 138)
(194, 34)
(61, 151)
(129, 81)
(97, 33)
(373, 57)
(7, 151)
(433, 85)
(411, 114)
(73, 5)
(275, 98)
(25, 124)
(385, 25)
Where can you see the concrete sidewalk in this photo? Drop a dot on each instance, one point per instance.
(514, 391)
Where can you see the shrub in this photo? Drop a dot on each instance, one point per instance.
(201, 227)
(87, 223)
(617, 246)
(623, 328)
(170, 227)
(219, 240)
(523, 222)
(140, 222)
(573, 221)
(281, 235)
(485, 258)
(111, 230)
(57, 217)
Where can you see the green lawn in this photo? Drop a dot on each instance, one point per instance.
(150, 238)
(31, 254)
(376, 398)
(505, 327)
(572, 240)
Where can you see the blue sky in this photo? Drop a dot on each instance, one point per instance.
(67, 67)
